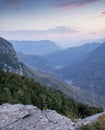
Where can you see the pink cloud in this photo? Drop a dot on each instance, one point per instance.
(69, 5)
(63, 29)
(12, 2)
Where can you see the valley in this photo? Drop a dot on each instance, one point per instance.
(76, 66)
(48, 89)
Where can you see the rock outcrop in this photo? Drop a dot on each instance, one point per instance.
(90, 119)
(29, 117)
(8, 59)
(20, 117)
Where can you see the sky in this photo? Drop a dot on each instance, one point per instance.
(62, 21)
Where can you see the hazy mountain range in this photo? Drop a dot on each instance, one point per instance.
(82, 66)
(71, 55)
(54, 63)
(43, 47)
(44, 80)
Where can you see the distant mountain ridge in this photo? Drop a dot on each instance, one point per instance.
(56, 63)
(71, 55)
(42, 47)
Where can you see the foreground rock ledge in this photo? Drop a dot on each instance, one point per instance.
(28, 117)
(20, 117)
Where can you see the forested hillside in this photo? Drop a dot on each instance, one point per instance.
(19, 89)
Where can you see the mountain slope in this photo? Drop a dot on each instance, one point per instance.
(36, 47)
(70, 56)
(36, 62)
(90, 74)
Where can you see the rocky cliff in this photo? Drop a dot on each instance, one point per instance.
(8, 59)
(21, 117)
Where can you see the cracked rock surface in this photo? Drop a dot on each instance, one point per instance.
(21, 117)
(29, 117)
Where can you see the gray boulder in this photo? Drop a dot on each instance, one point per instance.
(20, 117)
(29, 117)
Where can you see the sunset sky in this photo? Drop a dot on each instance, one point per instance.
(57, 20)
